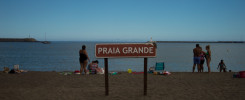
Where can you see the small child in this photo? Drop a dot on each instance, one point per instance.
(93, 66)
(222, 66)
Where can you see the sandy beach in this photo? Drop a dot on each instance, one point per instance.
(177, 86)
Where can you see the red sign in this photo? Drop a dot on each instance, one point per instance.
(142, 50)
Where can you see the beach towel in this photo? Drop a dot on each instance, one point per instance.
(92, 68)
(159, 66)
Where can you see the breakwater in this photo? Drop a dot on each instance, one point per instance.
(18, 40)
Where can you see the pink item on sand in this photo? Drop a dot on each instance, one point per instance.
(76, 71)
(242, 74)
(166, 73)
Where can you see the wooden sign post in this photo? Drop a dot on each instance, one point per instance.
(126, 50)
(106, 77)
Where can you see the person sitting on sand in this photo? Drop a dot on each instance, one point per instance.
(93, 67)
(222, 66)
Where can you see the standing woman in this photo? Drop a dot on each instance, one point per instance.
(83, 59)
(208, 57)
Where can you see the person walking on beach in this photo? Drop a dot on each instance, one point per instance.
(83, 59)
(202, 55)
(196, 58)
(208, 57)
(222, 66)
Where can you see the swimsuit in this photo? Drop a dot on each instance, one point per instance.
(202, 58)
(208, 56)
(222, 66)
(197, 60)
(82, 58)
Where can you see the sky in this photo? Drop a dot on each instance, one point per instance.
(123, 20)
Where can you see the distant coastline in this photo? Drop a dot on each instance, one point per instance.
(34, 40)
(18, 40)
(200, 41)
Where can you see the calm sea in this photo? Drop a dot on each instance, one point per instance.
(63, 56)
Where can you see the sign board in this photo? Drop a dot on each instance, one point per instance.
(129, 50)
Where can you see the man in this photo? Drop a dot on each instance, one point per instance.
(197, 58)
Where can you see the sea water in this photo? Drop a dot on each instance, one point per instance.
(64, 56)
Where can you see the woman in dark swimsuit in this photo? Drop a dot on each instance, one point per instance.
(83, 59)
(208, 57)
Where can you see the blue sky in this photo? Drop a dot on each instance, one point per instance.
(123, 20)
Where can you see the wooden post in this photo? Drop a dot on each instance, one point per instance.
(106, 77)
(118, 51)
(145, 76)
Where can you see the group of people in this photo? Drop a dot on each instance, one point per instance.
(198, 59)
(84, 59)
(200, 56)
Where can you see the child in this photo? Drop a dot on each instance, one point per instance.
(222, 66)
(93, 66)
(202, 58)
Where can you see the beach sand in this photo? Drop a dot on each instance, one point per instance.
(177, 86)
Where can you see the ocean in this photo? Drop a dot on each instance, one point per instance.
(64, 56)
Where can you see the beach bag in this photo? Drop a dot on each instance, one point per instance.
(12, 71)
(242, 74)
(6, 70)
(103, 71)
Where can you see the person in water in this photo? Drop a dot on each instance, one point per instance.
(208, 57)
(83, 59)
(202, 55)
(196, 58)
(222, 66)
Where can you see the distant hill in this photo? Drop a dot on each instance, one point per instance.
(18, 40)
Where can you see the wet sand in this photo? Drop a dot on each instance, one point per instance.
(124, 86)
